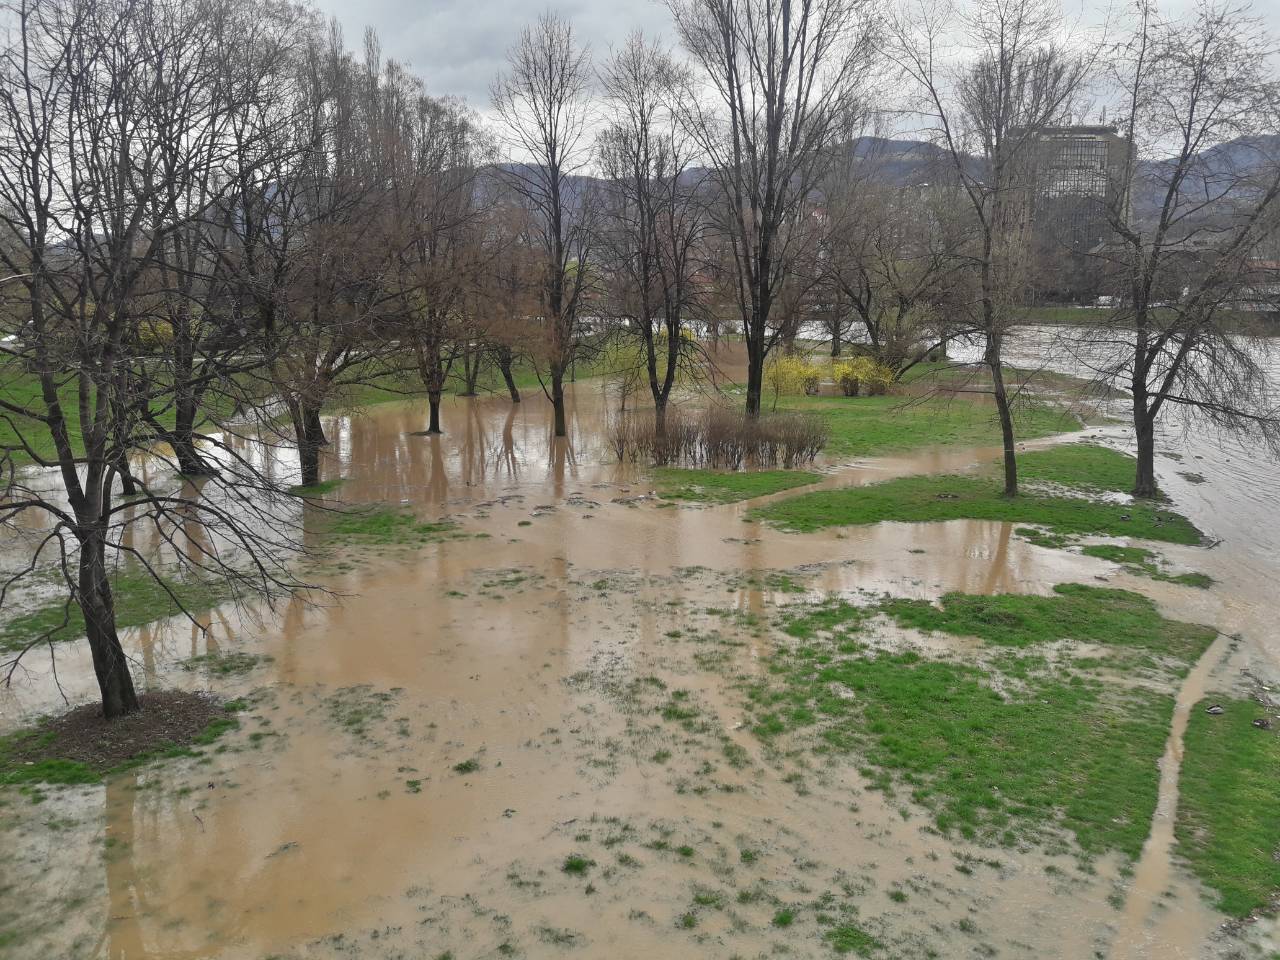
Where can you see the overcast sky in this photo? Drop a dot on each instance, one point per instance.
(458, 45)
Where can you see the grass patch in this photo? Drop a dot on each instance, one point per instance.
(318, 489)
(1228, 825)
(874, 426)
(139, 599)
(577, 865)
(1017, 751)
(225, 664)
(1145, 563)
(925, 499)
(1085, 465)
(384, 526)
(1074, 611)
(719, 486)
(850, 938)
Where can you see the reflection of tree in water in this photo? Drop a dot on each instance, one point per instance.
(508, 462)
(129, 901)
(437, 491)
(473, 454)
(1000, 575)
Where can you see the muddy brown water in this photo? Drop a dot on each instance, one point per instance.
(350, 824)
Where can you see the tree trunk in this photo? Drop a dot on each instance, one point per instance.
(1144, 418)
(190, 463)
(315, 429)
(504, 364)
(755, 376)
(128, 486)
(660, 416)
(310, 436)
(433, 402)
(1006, 418)
(96, 604)
(1144, 484)
(557, 399)
(470, 369)
(835, 344)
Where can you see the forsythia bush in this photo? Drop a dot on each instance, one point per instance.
(790, 376)
(861, 373)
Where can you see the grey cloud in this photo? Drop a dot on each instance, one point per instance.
(457, 46)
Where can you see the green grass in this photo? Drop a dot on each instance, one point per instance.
(577, 865)
(850, 938)
(23, 389)
(19, 387)
(1074, 611)
(1085, 465)
(139, 599)
(1145, 563)
(1228, 821)
(381, 525)
(875, 426)
(317, 489)
(922, 499)
(718, 486)
(1012, 752)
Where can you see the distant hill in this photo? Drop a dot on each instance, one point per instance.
(904, 162)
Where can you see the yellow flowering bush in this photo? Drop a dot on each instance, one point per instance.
(861, 374)
(792, 376)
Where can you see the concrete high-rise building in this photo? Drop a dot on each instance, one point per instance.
(1079, 183)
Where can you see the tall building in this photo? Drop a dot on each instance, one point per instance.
(1079, 183)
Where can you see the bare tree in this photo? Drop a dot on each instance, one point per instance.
(84, 186)
(437, 150)
(989, 113)
(231, 60)
(654, 219)
(1201, 104)
(785, 79)
(322, 246)
(894, 259)
(509, 289)
(543, 107)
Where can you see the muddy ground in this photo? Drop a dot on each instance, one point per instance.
(534, 740)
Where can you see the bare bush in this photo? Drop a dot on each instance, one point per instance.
(720, 438)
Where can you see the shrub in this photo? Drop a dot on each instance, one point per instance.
(861, 373)
(720, 438)
(792, 376)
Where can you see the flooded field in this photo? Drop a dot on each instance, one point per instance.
(535, 739)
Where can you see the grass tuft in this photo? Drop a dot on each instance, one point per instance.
(1228, 825)
(721, 486)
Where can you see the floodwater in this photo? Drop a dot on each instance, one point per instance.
(428, 744)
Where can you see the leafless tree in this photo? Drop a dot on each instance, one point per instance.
(322, 246)
(86, 109)
(654, 218)
(989, 113)
(438, 222)
(1200, 99)
(232, 61)
(544, 112)
(784, 79)
(894, 259)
